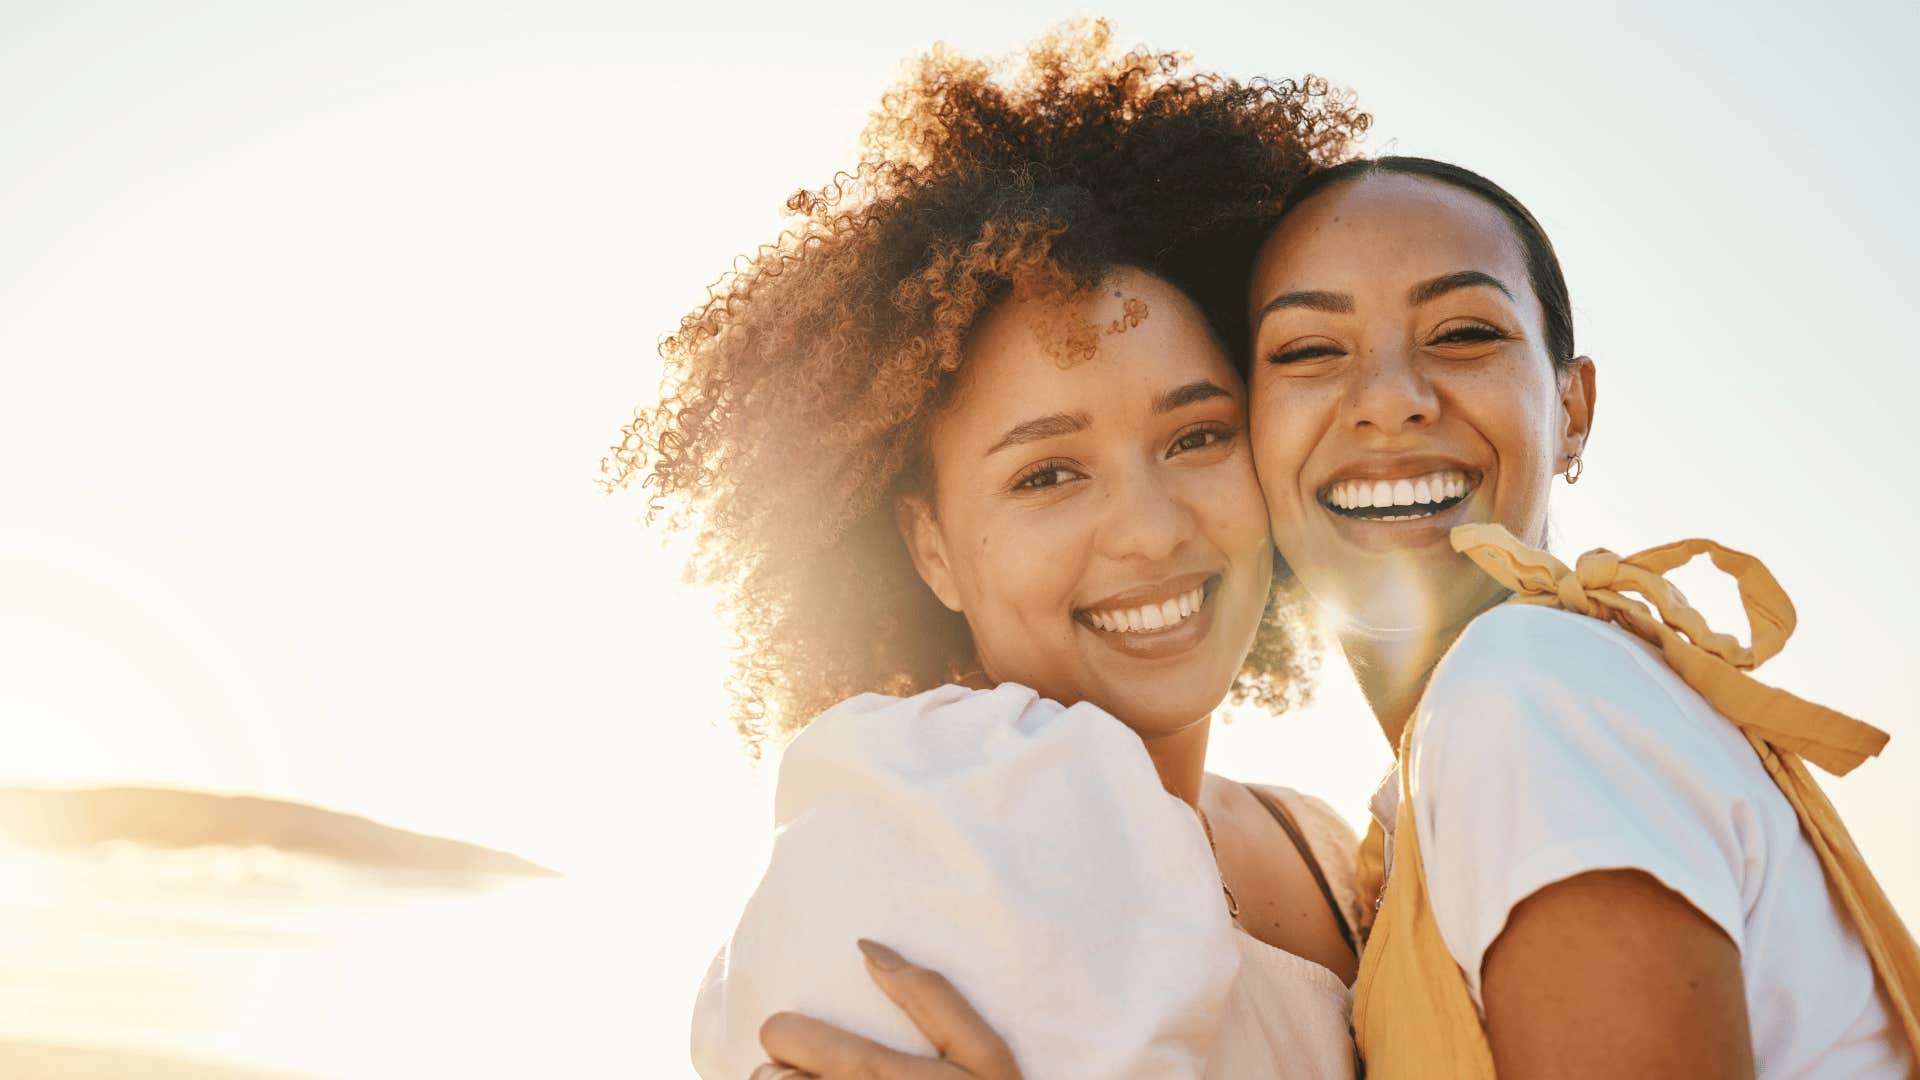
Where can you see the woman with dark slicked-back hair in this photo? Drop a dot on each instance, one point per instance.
(1600, 852)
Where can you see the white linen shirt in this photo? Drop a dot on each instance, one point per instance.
(1025, 850)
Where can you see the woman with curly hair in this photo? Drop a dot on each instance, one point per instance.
(969, 464)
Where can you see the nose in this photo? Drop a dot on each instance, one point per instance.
(1390, 393)
(1146, 519)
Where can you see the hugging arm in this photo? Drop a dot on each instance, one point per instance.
(969, 1048)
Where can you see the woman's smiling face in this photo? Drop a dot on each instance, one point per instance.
(1098, 522)
(1401, 386)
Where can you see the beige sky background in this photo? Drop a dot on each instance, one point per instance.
(315, 319)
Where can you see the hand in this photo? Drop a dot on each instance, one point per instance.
(969, 1049)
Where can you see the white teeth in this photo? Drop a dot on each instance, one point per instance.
(1434, 487)
(1150, 616)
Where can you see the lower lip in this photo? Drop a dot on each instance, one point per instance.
(1163, 643)
(1378, 535)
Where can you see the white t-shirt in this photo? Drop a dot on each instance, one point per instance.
(1551, 744)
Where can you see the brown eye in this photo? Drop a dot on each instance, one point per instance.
(1046, 476)
(1199, 439)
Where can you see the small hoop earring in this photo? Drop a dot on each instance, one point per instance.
(1574, 469)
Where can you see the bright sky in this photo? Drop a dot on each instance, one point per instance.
(317, 319)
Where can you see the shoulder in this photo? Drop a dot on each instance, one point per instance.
(1561, 718)
(1296, 890)
(1551, 744)
(1323, 826)
(1522, 673)
(950, 721)
(1524, 645)
(1331, 841)
(953, 746)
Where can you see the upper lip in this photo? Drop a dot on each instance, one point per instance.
(1397, 467)
(1157, 593)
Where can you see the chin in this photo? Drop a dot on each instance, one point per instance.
(1155, 711)
(1413, 592)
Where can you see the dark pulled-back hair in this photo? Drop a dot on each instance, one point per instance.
(1543, 266)
(796, 401)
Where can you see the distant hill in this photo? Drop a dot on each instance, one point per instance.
(66, 820)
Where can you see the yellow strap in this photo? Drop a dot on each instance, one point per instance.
(1713, 663)
(1782, 728)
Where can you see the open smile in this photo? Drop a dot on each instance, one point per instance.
(1409, 498)
(1149, 618)
(1156, 621)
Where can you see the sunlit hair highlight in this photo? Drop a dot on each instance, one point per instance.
(795, 401)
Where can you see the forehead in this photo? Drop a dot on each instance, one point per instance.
(1390, 231)
(1011, 374)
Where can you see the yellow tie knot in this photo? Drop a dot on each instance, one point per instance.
(1573, 594)
(1597, 569)
(1632, 593)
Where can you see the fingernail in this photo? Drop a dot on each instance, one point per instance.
(880, 956)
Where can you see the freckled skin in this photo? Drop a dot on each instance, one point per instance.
(1600, 975)
(1132, 506)
(1128, 507)
(1391, 385)
(1138, 497)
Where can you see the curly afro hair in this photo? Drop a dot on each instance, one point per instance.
(796, 400)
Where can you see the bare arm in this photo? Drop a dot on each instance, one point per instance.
(1611, 974)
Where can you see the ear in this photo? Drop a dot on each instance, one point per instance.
(920, 531)
(1576, 406)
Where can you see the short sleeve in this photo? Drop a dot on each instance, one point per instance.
(1551, 744)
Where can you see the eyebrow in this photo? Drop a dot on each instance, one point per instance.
(1312, 299)
(1342, 304)
(1046, 427)
(1054, 425)
(1433, 288)
(1194, 392)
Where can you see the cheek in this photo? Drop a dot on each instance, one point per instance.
(1019, 575)
(1516, 415)
(1228, 503)
(1285, 433)
(1275, 430)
